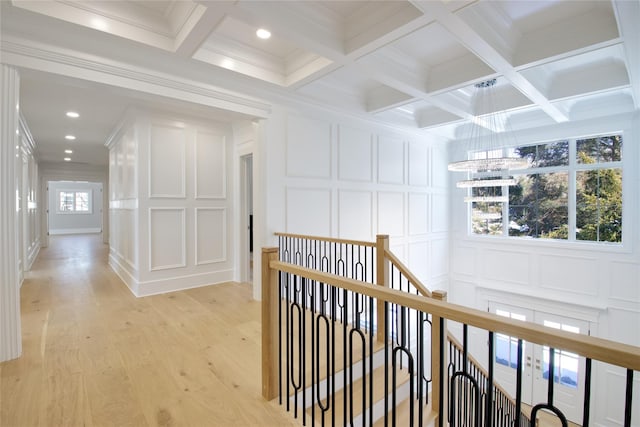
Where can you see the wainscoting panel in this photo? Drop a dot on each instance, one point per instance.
(308, 148)
(571, 274)
(167, 248)
(354, 154)
(439, 213)
(167, 149)
(391, 160)
(129, 165)
(625, 277)
(439, 265)
(505, 266)
(354, 215)
(308, 211)
(418, 260)
(391, 213)
(210, 166)
(211, 235)
(418, 214)
(418, 164)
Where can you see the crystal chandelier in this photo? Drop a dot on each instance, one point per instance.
(488, 162)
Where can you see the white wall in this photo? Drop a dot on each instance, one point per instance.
(75, 223)
(598, 283)
(28, 218)
(333, 176)
(171, 210)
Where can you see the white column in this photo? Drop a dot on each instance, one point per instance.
(10, 339)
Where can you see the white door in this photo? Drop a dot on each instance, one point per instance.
(568, 369)
(568, 389)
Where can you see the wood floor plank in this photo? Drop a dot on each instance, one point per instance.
(94, 355)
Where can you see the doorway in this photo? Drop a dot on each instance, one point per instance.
(247, 219)
(569, 368)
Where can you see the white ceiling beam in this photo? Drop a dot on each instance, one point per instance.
(469, 38)
(628, 16)
(200, 25)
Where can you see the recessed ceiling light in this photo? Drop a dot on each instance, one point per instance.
(67, 159)
(73, 114)
(68, 151)
(70, 137)
(263, 34)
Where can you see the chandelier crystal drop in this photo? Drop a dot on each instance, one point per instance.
(489, 150)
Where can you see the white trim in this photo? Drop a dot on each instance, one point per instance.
(26, 53)
(223, 194)
(184, 238)
(179, 283)
(124, 274)
(62, 231)
(183, 164)
(224, 236)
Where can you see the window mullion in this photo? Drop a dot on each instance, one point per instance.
(572, 209)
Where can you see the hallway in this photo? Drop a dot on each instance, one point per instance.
(95, 355)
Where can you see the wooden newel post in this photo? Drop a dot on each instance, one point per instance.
(436, 350)
(382, 279)
(270, 304)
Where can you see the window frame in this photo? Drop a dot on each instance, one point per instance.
(75, 192)
(572, 169)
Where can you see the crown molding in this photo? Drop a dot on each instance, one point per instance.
(29, 54)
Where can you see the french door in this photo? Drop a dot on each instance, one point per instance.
(568, 367)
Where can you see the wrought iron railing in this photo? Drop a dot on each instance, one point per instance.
(305, 326)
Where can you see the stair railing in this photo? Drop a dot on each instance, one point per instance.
(504, 407)
(288, 331)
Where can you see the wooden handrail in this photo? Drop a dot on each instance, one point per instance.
(408, 274)
(624, 355)
(327, 239)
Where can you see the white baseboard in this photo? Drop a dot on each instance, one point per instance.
(74, 231)
(170, 284)
(180, 283)
(124, 274)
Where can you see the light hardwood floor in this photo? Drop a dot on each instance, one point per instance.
(94, 355)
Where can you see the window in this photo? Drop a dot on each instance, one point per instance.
(572, 191)
(74, 202)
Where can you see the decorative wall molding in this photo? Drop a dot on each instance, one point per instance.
(22, 52)
(210, 165)
(10, 330)
(162, 163)
(200, 235)
(166, 241)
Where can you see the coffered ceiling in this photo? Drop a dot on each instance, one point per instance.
(411, 64)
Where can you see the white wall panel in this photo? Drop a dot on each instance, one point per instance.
(167, 246)
(210, 166)
(628, 335)
(439, 257)
(419, 260)
(354, 154)
(466, 263)
(625, 281)
(391, 213)
(211, 235)
(308, 148)
(614, 390)
(439, 213)
(167, 162)
(130, 174)
(418, 213)
(505, 266)
(355, 215)
(308, 211)
(572, 274)
(439, 164)
(418, 164)
(391, 164)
